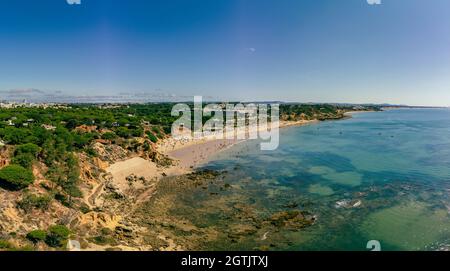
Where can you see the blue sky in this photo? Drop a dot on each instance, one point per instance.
(291, 50)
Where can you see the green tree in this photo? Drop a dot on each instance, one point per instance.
(57, 236)
(138, 132)
(37, 236)
(13, 135)
(123, 132)
(81, 140)
(25, 160)
(109, 136)
(28, 148)
(15, 177)
(25, 154)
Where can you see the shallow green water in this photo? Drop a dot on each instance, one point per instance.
(378, 176)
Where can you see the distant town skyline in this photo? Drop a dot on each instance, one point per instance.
(396, 52)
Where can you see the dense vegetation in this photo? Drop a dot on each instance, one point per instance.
(54, 135)
(318, 111)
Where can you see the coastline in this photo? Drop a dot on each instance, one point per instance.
(176, 193)
(137, 195)
(194, 152)
(351, 113)
(187, 154)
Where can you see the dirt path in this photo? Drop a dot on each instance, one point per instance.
(96, 192)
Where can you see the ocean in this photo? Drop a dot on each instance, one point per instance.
(382, 176)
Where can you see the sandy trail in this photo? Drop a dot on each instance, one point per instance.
(95, 194)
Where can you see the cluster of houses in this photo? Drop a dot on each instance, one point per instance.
(25, 104)
(11, 122)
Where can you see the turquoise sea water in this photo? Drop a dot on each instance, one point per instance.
(376, 176)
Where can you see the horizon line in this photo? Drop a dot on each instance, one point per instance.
(386, 105)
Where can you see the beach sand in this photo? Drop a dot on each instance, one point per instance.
(137, 166)
(191, 153)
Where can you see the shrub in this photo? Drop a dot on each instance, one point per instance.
(63, 200)
(167, 129)
(91, 152)
(73, 191)
(28, 148)
(13, 135)
(109, 136)
(146, 146)
(57, 236)
(85, 208)
(31, 201)
(137, 132)
(81, 140)
(37, 236)
(24, 159)
(15, 177)
(5, 244)
(152, 137)
(103, 240)
(123, 132)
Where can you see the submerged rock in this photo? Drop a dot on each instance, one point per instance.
(291, 205)
(345, 203)
(239, 231)
(292, 219)
(357, 204)
(342, 204)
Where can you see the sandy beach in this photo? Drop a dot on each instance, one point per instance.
(350, 113)
(191, 153)
(187, 154)
(137, 166)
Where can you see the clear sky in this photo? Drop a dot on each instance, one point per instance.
(290, 50)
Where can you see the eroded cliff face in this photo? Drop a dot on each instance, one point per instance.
(18, 216)
(98, 219)
(4, 156)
